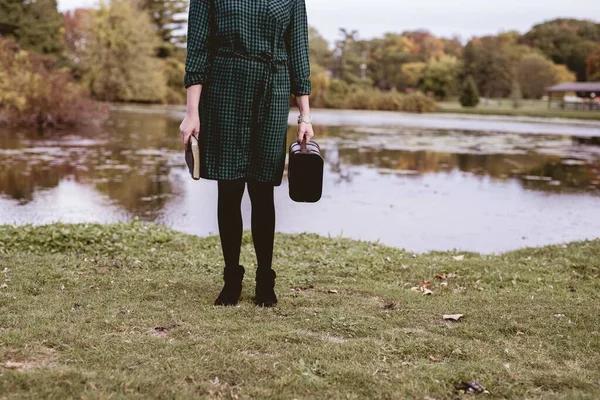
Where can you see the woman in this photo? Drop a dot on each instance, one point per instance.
(244, 59)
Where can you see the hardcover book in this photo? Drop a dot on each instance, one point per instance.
(192, 157)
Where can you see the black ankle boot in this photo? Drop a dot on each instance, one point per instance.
(230, 294)
(265, 292)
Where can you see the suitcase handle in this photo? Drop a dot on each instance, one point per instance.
(303, 148)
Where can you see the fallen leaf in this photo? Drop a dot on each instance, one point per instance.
(421, 289)
(459, 258)
(425, 284)
(433, 358)
(441, 276)
(162, 329)
(452, 317)
(471, 387)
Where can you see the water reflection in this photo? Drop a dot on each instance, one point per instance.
(135, 163)
(536, 171)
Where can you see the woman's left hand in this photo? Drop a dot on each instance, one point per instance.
(305, 130)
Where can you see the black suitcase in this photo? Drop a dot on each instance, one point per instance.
(305, 172)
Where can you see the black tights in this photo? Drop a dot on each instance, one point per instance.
(229, 216)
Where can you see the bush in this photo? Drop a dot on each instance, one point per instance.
(175, 71)
(389, 101)
(469, 96)
(33, 93)
(417, 102)
(320, 85)
(337, 93)
(362, 99)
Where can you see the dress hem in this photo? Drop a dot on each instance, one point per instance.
(245, 178)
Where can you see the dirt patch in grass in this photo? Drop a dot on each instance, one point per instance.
(41, 358)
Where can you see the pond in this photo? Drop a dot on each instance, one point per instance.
(420, 182)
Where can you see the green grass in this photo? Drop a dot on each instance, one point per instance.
(125, 311)
(528, 109)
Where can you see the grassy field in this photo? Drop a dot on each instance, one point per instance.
(528, 109)
(125, 311)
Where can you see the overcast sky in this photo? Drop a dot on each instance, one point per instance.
(464, 18)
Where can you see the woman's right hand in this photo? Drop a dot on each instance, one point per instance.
(190, 125)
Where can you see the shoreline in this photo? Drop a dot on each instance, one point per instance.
(390, 117)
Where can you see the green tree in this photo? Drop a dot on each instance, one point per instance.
(453, 47)
(36, 25)
(426, 46)
(387, 57)
(516, 95)
(441, 76)
(118, 57)
(490, 63)
(592, 64)
(411, 75)
(563, 74)
(535, 73)
(169, 18)
(347, 58)
(11, 14)
(319, 49)
(566, 41)
(469, 96)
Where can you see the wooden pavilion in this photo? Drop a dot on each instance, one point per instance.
(587, 92)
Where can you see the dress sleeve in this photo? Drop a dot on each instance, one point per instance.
(200, 31)
(296, 40)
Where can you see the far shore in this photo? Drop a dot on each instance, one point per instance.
(518, 124)
(591, 118)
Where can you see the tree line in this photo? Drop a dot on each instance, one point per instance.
(556, 51)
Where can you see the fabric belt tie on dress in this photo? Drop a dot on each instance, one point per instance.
(265, 57)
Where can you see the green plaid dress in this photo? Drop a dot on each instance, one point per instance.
(249, 56)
